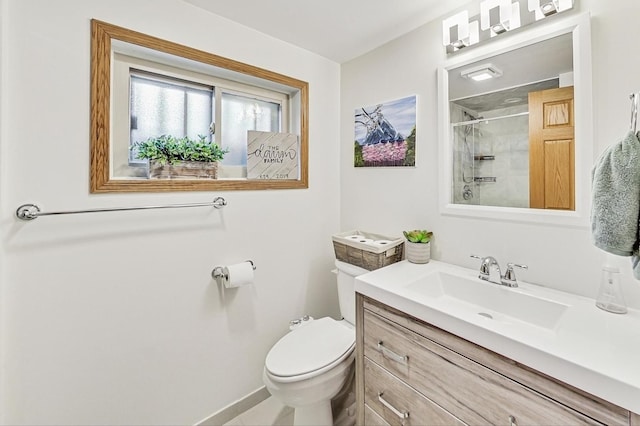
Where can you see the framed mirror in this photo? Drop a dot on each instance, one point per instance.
(515, 126)
(167, 117)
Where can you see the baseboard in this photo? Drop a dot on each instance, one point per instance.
(236, 408)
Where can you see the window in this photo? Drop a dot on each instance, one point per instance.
(166, 100)
(238, 97)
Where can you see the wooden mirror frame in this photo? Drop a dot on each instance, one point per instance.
(102, 35)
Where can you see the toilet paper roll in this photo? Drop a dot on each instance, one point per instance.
(355, 237)
(382, 243)
(364, 240)
(239, 274)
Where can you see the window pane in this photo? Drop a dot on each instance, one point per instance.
(200, 111)
(156, 109)
(240, 114)
(161, 108)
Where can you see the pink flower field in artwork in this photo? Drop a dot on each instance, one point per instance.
(384, 153)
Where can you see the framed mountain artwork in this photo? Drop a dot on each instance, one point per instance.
(385, 134)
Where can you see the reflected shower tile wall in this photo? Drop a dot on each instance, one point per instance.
(508, 140)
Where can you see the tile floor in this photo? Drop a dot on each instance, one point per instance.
(269, 412)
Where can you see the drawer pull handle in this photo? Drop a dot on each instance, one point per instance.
(392, 355)
(512, 421)
(401, 414)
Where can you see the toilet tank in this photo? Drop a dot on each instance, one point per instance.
(346, 275)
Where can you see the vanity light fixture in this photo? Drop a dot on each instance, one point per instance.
(496, 17)
(499, 16)
(481, 72)
(458, 32)
(544, 8)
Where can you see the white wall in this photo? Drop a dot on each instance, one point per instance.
(390, 200)
(3, 107)
(113, 318)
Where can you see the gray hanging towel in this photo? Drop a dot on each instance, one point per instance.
(615, 208)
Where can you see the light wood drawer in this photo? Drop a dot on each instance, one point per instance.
(371, 418)
(590, 405)
(399, 404)
(468, 390)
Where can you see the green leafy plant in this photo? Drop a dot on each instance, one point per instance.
(169, 149)
(418, 236)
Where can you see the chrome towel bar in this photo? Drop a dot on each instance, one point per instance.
(32, 211)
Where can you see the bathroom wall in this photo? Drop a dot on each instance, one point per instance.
(559, 257)
(3, 107)
(113, 318)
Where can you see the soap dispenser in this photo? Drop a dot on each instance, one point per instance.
(610, 296)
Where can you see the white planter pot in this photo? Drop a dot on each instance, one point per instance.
(418, 252)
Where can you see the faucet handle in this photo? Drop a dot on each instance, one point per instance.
(511, 265)
(484, 266)
(482, 261)
(509, 277)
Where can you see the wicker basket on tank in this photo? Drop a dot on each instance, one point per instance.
(367, 250)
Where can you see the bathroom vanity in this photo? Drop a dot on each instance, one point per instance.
(434, 356)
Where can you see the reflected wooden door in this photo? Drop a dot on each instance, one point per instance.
(551, 149)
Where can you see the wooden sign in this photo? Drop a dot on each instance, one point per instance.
(272, 155)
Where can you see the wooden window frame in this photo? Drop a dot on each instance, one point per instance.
(101, 181)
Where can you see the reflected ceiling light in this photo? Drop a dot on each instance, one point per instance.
(481, 72)
(499, 16)
(458, 32)
(544, 8)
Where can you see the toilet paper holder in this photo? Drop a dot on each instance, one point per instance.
(221, 273)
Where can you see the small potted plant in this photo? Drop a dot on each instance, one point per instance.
(170, 157)
(418, 247)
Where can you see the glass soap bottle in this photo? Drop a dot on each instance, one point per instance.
(610, 296)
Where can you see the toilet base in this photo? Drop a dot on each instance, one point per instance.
(314, 415)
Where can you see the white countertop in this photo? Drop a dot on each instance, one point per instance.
(591, 349)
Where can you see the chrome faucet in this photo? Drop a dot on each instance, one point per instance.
(509, 278)
(490, 271)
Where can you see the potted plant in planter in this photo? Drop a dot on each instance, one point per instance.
(418, 247)
(174, 158)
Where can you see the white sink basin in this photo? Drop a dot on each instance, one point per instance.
(489, 300)
(562, 335)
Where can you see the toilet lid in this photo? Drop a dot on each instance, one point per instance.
(310, 347)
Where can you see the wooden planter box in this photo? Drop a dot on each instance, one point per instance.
(183, 170)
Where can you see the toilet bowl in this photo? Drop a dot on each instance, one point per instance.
(309, 366)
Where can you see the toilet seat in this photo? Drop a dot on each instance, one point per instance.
(310, 350)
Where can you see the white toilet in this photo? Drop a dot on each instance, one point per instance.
(309, 365)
